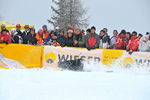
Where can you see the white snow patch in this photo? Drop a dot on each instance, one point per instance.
(42, 84)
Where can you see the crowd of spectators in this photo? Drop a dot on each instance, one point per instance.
(77, 38)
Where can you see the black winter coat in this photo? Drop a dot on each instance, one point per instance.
(62, 41)
(32, 39)
(18, 37)
(25, 37)
(69, 42)
(105, 39)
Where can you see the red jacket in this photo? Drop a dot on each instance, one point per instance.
(133, 43)
(92, 42)
(119, 42)
(126, 42)
(5, 38)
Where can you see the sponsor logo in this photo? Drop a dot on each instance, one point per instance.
(52, 57)
(62, 57)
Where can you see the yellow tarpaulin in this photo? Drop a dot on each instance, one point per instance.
(10, 25)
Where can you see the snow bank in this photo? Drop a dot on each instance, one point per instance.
(42, 84)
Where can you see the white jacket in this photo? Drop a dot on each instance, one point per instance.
(144, 44)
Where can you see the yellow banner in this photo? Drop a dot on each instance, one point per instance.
(48, 56)
(28, 55)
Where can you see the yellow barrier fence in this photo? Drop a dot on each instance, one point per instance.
(48, 56)
(28, 55)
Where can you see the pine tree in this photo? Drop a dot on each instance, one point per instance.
(68, 13)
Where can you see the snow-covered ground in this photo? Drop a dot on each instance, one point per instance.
(44, 84)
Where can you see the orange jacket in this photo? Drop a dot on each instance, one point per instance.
(41, 37)
(45, 35)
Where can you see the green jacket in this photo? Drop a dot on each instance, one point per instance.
(80, 38)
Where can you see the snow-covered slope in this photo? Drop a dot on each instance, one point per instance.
(42, 84)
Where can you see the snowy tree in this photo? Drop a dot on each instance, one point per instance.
(68, 13)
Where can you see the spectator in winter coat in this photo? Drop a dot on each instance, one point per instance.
(78, 39)
(140, 36)
(88, 31)
(40, 37)
(144, 44)
(133, 43)
(32, 37)
(25, 34)
(59, 34)
(104, 40)
(120, 40)
(126, 39)
(12, 34)
(4, 37)
(18, 36)
(3, 27)
(54, 41)
(61, 39)
(45, 34)
(52, 34)
(18, 29)
(106, 30)
(92, 39)
(69, 40)
(56, 31)
(83, 32)
(113, 39)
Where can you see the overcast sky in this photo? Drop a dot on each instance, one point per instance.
(113, 14)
